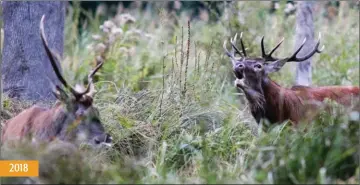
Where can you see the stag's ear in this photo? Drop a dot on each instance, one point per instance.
(60, 94)
(272, 67)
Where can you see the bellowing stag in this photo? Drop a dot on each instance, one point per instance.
(73, 118)
(267, 99)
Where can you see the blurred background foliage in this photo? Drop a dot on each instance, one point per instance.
(166, 95)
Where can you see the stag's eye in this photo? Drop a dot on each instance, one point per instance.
(240, 66)
(258, 66)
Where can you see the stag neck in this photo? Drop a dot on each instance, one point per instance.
(273, 92)
(281, 103)
(270, 86)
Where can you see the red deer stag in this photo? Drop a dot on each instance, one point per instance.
(72, 116)
(267, 99)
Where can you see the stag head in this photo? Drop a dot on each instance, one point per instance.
(80, 117)
(251, 72)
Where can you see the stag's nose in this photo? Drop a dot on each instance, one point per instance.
(105, 139)
(108, 139)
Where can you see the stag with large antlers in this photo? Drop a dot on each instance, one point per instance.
(73, 118)
(272, 102)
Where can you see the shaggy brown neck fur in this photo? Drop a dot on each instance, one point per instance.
(280, 103)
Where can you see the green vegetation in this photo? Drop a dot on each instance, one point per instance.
(177, 118)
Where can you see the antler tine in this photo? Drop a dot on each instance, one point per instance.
(242, 45)
(322, 48)
(52, 59)
(233, 42)
(316, 49)
(268, 57)
(276, 47)
(227, 51)
(231, 55)
(95, 70)
(90, 88)
(234, 39)
(263, 53)
(293, 56)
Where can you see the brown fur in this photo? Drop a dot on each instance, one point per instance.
(270, 101)
(73, 118)
(36, 120)
(301, 102)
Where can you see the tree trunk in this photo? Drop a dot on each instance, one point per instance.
(1, 47)
(26, 69)
(304, 29)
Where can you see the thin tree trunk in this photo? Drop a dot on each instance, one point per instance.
(26, 68)
(1, 47)
(304, 29)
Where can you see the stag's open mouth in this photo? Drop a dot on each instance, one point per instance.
(240, 83)
(238, 74)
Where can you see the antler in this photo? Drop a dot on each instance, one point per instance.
(242, 45)
(293, 57)
(277, 64)
(90, 88)
(229, 54)
(268, 57)
(234, 48)
(52, 60)
(233, 42)
(316, 49)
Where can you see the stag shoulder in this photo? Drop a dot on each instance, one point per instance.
(21, 124)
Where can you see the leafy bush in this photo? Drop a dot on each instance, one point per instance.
(327, 150)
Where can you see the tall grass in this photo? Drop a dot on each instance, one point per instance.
(165, 93)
